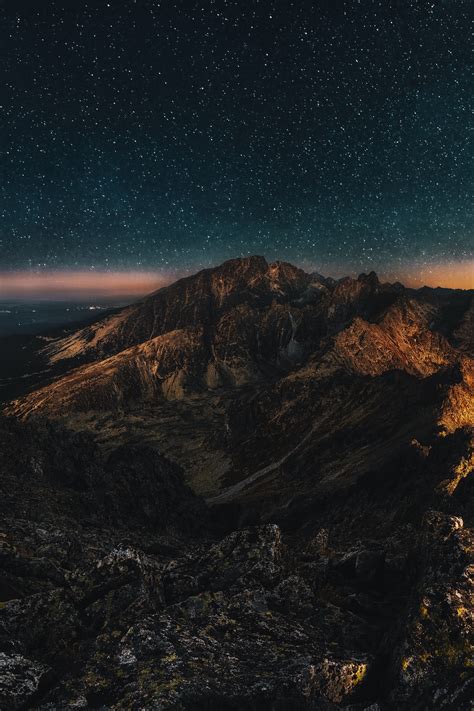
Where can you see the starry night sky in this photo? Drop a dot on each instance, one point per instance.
(147, 135)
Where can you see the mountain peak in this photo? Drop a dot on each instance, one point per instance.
(253, 262)
(371, 278)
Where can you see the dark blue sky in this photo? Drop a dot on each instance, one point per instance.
(172, 135)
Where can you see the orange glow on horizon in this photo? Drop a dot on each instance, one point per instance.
(448, 274)
(451, 275)
(79, 284)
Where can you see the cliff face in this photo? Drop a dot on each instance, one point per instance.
(199, 299)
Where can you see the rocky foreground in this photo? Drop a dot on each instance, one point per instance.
(121, 589)
(330, 566)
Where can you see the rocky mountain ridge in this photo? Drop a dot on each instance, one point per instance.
(191, 356)
(250, 490)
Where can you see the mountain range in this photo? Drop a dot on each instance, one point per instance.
(255, 492)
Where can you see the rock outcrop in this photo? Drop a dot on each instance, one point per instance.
(119, 588)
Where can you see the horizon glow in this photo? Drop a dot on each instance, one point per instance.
(65, 284)
(71, 284)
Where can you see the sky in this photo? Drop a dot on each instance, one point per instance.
(140, 137)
